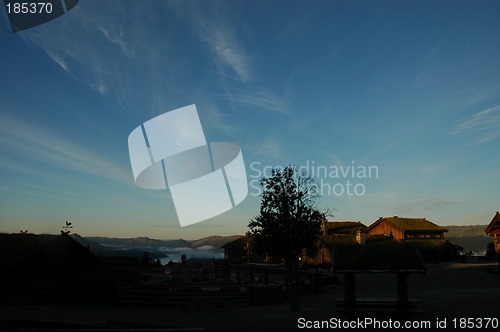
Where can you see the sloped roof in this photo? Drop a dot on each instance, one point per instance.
(494, 224)
(410, 224)
(344, 227)
(64, 258)
(61, 251)
(13, 247)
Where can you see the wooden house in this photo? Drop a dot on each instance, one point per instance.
(420, 233)
(341, 227)
(406, 228)
(493, 230)
(346, 232)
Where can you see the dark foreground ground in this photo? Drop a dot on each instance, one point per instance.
(447, 291)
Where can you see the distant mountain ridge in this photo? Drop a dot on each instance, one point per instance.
(137, 242)
(464, 231)
(104, 246)
(216, 241)
(471, 238)
(12, 246)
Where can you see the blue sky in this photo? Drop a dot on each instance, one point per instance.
(410, 87)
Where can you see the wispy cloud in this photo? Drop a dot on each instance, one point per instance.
(216, 119)
(422, 205)
(485, 123)
(270, 148)
(116, 37)
(335, 159)
(434, 168)
(219, 32)
(266, 101)
(98, 86)
(58, 59)
(34, 143)
(82, 54)
(479, 94)
(40, 194)
(223, 42)
(107, 47)
(428, 62)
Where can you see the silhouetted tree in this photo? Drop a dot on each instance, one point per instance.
(183, 259)
(289, 220)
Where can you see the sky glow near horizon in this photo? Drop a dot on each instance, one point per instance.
(412, 88)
